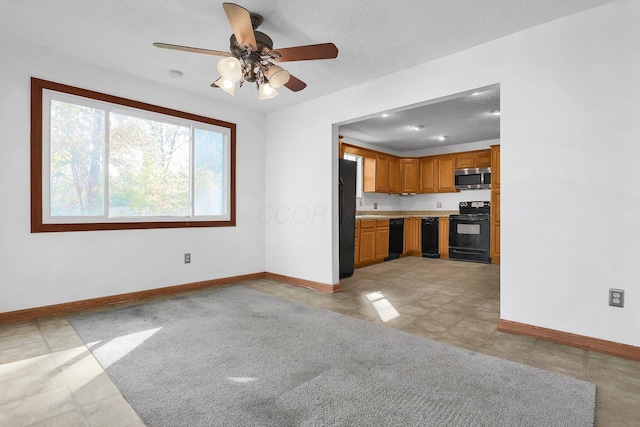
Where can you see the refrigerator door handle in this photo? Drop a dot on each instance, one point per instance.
(340, 197)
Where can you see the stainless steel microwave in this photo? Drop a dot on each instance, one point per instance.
(473, 178)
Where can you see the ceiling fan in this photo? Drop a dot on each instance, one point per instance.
(252, 56)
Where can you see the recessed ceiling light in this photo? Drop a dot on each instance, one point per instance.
(385, 115)
(176, 74)
(442, 138)
(416, 127)
(495, 112)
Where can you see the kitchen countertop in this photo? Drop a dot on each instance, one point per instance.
(402, 214)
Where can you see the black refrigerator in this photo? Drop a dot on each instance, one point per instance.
(347, 215)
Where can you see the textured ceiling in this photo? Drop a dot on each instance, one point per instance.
(374, 37)
(460, 119)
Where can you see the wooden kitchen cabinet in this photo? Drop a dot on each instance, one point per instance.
(446, 178)
(382, 173)
(412, 236)
(494, 248)
(393, 177)
(428, 176)
(367, 242)
(409, 171)
(382, 239)
(473, 159)
(495, 166)
(372, 241)
(443, 237)
(356, 245)
(437, 174)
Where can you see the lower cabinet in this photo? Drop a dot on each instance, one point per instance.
(382, 239)
(372, 241)
(443, 237)
(412, 233)
(356, 245)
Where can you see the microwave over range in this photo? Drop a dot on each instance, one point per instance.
(472, 178)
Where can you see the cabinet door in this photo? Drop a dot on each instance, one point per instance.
(356, 245)
(446, 179)
(409, 171)
(382, 173)
(382, 239)
(495, 225)
(393, 183)
(483, 160)
(369, 174)
(428, 175)
(495, 166)
(412, 235)
(465, 160)
(367, 241)
(443, 237)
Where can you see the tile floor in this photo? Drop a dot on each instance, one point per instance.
(49, 378)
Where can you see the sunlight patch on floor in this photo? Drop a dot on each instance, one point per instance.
(119, 347)
(385, 309)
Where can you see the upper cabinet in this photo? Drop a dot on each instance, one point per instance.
(428, 176)
(409, 171)
(473, 159)
(446, 177)
(393, 177)
(385, 173)
(495, 165)
(381, 173)
(437, 174)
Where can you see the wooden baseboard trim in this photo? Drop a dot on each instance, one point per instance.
(324, 287)
(69, 307)
(588, 343)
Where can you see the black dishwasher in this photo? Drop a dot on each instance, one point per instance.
(396, 238)
(430, 236)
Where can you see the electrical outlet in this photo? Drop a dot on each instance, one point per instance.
(439, 205)
(616, 297)
(187, 258)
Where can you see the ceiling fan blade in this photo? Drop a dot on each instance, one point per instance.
(240, 21)
(294, 84)
(305, 53)
(192, 49)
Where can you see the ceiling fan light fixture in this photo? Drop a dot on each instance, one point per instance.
(267, 91)
(226, 85)
(230, 69)
(277, 76)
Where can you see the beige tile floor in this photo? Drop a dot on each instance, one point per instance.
(49, 378)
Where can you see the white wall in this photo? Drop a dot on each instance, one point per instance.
(570, 102)
(50, 268)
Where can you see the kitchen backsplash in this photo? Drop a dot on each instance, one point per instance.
(420, 202)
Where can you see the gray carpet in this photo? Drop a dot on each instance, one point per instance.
(235, 356)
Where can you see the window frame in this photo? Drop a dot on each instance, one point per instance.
(38, 181)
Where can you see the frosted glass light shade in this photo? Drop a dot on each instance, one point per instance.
(266, 91)
(277, 76)
(226, 85)
(230, 69)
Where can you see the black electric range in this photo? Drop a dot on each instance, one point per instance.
(469, 230)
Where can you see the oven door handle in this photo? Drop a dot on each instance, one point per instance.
(467, 253)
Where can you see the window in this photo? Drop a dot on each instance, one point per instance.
(358, 160)
(101, 162)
